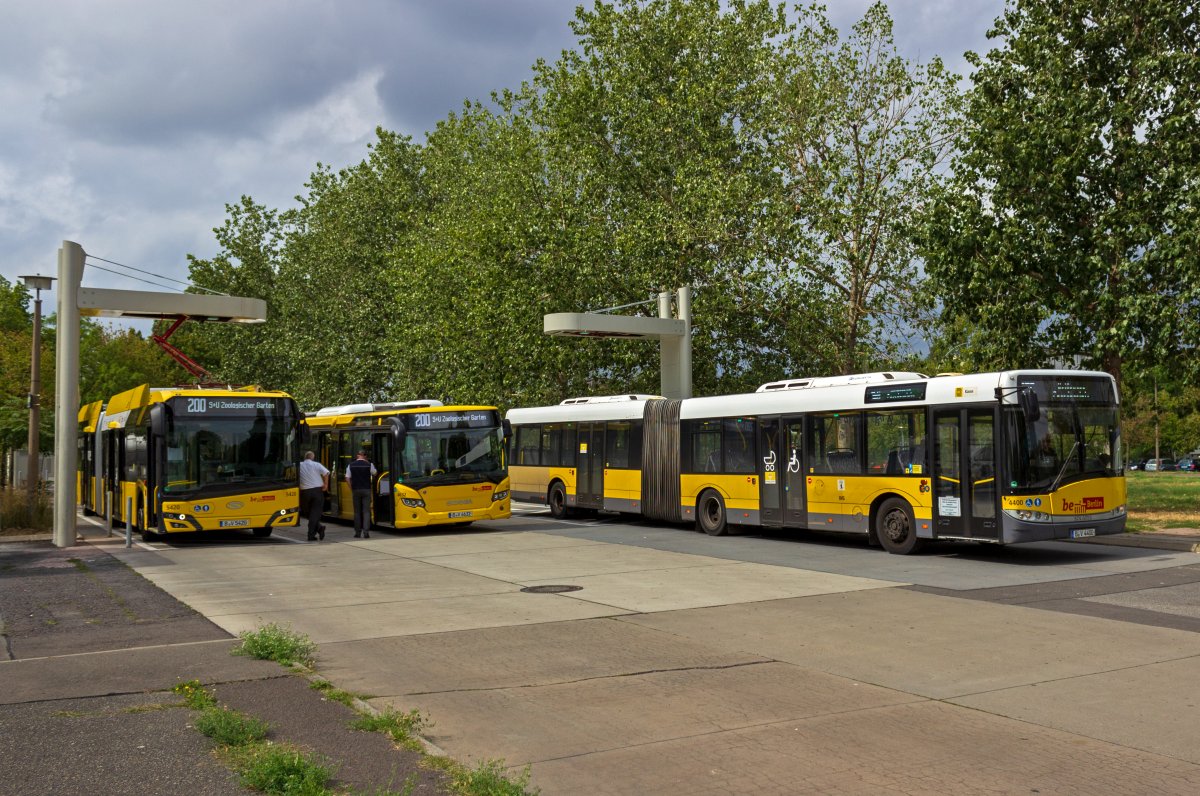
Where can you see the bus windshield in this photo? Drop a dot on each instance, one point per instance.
(216, 451)
(452, 456)
(1067, 442)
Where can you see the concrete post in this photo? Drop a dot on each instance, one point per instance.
(66, 401)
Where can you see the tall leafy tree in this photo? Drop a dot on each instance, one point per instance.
(861, 136)
(650, 128)
(1072, 224)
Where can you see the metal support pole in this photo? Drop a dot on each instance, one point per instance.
(35, 393)
(66, 401)
(107, 508)
(129, 522)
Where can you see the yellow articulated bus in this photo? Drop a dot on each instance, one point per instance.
(1013, 456)
(435, 464)
(89, 492)
(195, 459)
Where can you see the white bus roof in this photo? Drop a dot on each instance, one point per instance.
(358, 409)
(949, 389)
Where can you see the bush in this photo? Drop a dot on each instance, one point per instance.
(19, 516)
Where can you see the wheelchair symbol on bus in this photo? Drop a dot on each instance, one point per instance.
(794, 464)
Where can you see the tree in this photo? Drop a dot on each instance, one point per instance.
(14, 306)
(651, 135)
(1071, 224)
(862, 136)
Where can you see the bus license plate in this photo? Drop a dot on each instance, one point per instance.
(234, 523)
(1080, 533)
(456, 514)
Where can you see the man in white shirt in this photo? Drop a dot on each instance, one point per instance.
(314, 481)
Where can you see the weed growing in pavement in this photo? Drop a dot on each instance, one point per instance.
(402, 728)
(275, 643)
(279, 769)
(328, 690)
(490, 779)
(230, 727)
(194, 695)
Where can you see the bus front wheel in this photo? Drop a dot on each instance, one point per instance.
(895, 528)
(558, 501)
(710, 514)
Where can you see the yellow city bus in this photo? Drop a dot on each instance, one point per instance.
(190, 459)
(1013, 456)
(435, 464)
(88, 493)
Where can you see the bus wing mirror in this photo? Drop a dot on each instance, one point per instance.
(506, 424)
(399, 431)
(160, 420)
(1028, 401)
(305, 433)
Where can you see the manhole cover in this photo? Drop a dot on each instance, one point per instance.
(550, 589)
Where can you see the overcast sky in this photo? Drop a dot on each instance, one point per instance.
(127, 125)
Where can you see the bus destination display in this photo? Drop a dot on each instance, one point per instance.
(898, 393)
(440, 421)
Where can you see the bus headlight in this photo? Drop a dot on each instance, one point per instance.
(413, 503)
(499, 495)
(1027, 515)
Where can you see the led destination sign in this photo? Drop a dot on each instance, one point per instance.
(897, 393)
(441, 421)
(186, 406)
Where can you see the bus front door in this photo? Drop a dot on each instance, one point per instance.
(780, 475)
(382, 497)
(964, 483)
(589, 466)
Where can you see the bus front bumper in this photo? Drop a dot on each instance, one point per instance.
(1081, 526)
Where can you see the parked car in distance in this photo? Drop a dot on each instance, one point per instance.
(1159, 465)
(1137, 464)
(1189, 465)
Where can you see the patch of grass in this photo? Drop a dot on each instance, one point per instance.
(230, 727)
(402, 728)
(276, 643)
(194, 695)
(1163, 500)
(150, 708)
(328, 690)
(490, 779)
(73, 714)
(279, 769)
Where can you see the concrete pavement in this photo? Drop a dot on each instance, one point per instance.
(672, 672)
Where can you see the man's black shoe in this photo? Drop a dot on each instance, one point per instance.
(312, 538)
(358, 536)
(321, 532)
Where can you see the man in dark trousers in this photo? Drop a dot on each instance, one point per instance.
(314, 483)
(358, 475)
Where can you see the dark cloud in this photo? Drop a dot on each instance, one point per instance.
(127, 125)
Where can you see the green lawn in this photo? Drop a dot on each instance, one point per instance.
(1163, 500)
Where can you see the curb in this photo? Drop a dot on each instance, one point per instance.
(1185, 544)
(366, 708)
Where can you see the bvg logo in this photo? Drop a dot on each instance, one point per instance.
(1087, 504)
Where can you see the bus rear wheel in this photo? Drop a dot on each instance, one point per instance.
(710, 514)
(558, 501)
(895, 528)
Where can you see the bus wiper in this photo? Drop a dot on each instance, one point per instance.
(1066, 462)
